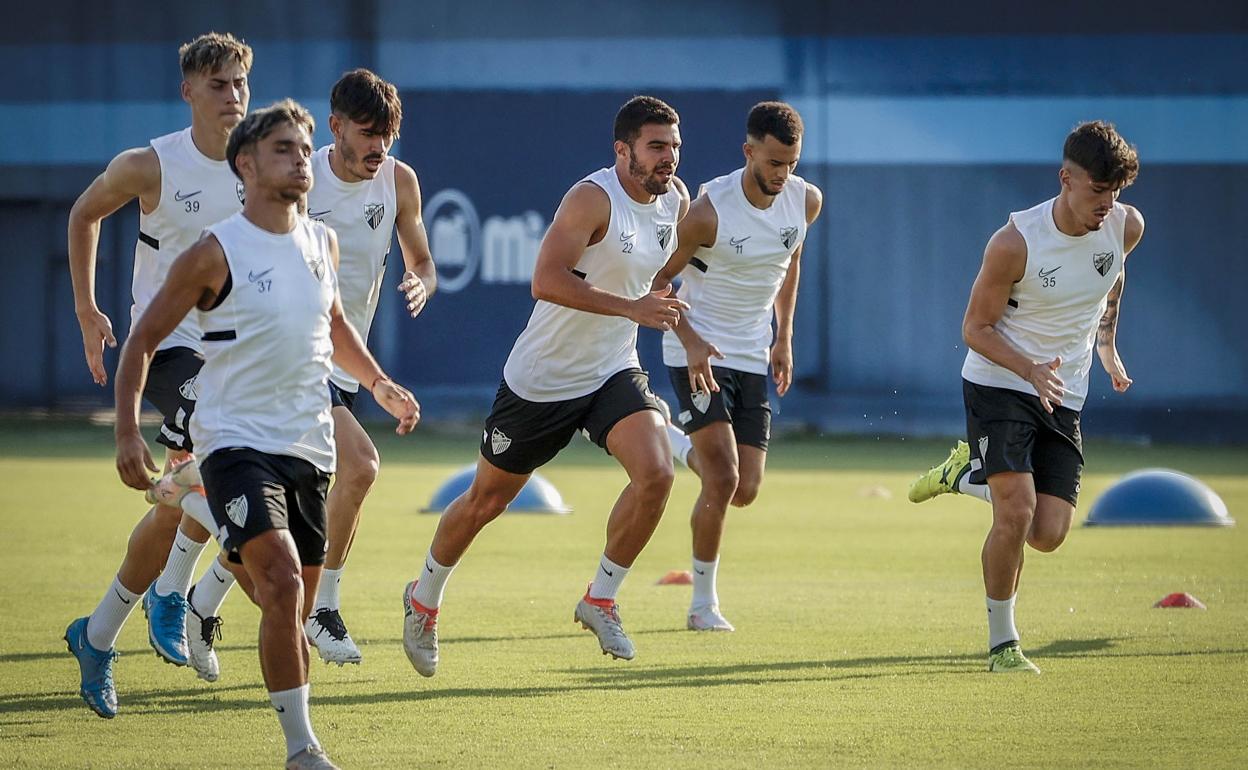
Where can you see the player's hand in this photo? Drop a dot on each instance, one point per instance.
(657, 310)
(1117, 372)
(97, 331)
(134, 461)
(399, 402)
(1043, 377)
(698, 352)
(782, 365)
(414, 293)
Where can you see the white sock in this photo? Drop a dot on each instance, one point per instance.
(681, 445)
(176, 577)
(292, 713)
(327, 592)
(607, 579)
(195, 505)
(976, 490)
(211, 590)
(1001, 622)
(704, 583)
(105, 623)
(432, 583)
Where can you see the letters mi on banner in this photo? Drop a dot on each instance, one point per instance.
(493, 166)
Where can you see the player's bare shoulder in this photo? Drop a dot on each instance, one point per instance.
(1133, 230)
(406, 185)
(679, 184)
(1006, 253)
(137, 171)
(814, 203)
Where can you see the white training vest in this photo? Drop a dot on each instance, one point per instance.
(731, 286)
(195, 191)
(564, 353)
(266, 346)
(362, 214)
(1056, 307)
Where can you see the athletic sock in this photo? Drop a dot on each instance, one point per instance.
(981, 491)
(704, 583)
(292, 713)
(327, 592)
(432, 583)
(1001, 622)
(195, 505)
(607, 579)
(176, 576)
(105, 623)
(211, 590)
(681, 445)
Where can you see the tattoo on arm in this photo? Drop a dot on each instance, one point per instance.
(1108, 326)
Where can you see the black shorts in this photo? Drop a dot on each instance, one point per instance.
(521, 436)
(1010, 431)
(741, 401)
(252, 492)
(171, 381)
(340, 397)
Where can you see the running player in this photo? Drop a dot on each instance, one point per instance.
(743, 242)
(183, 184)
(365, 195)
(1048, 293)
(264, 282)
(575, 366)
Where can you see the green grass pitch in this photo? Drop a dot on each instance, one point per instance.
(860, 619)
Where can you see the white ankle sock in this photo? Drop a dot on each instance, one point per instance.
(327, 592)
(292, 713)
(432, 583)
(195, 505)
(704, 583)
(105, 623)
(976, 490)
(1001, 622)
(211, 590)
(681, 445)
(176, 577)
(607, 579)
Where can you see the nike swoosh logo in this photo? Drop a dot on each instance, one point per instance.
(429, 568)
(179, 197)
(253, 277)
(124, 600)
(700, 572)
(318, 214)
(1050, 271)
(280, 709)
(218, 577)
(738, 241)
(604, 569)
(180, 548)
(627, 236)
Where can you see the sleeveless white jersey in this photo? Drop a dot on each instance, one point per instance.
(731, 287)
(564, 353)
(362, 214)
(266, 346)
(195, 191)
(1056, 307)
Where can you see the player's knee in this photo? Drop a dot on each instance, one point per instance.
(279, 588)
(1046, 540)
(655, 484)
(359, 472)
(720, 482)
(484, 505)
(747, 492)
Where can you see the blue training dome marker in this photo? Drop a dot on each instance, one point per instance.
(1159, 497)
(537, 496)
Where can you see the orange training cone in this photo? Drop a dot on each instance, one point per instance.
(1181, 600)
(677, 577)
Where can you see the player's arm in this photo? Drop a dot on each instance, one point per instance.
(1107, 329)
(696, 230)
(581, 221)
(1005, 260)
(786, 302)
(420, 278)
(352, 354)
(132, 174)
(195, 279)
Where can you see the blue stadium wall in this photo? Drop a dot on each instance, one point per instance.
(925, 128)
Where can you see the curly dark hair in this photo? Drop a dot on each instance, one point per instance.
(361, 96)
(639, 111)
(1098, 148)
(775, 119)
(261, 123)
